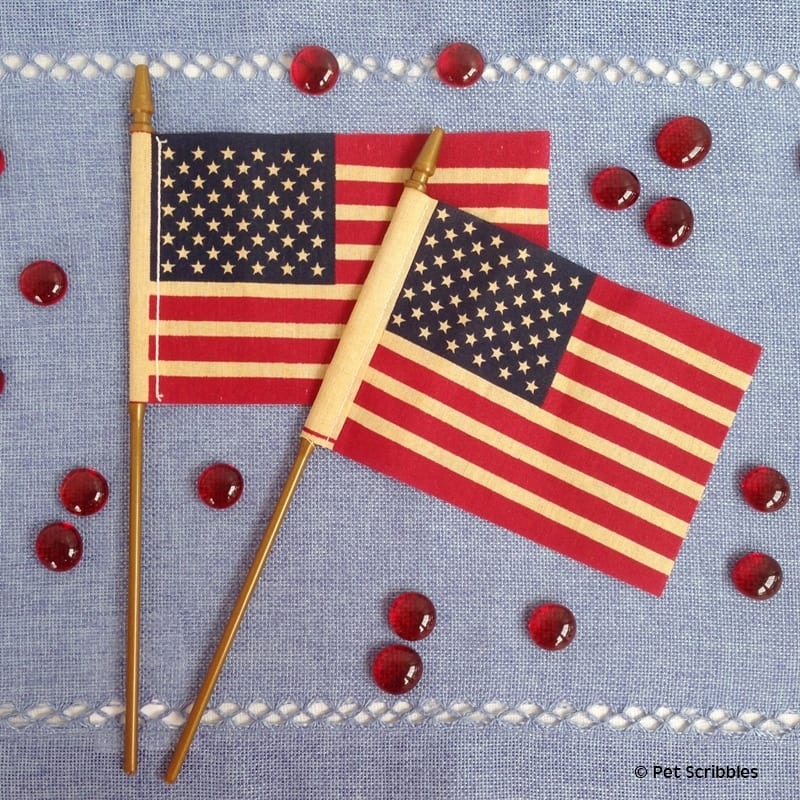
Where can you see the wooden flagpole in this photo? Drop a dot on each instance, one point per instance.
(142, 131)
(423, 169)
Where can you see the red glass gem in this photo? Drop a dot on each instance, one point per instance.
(551, 626)
(59, 546)
(83, 491)
(757, 575)
(683, 142)
(397, 669)
(669, 222)
(460, 64)
(412, 616)
(43, 282)
(615, 188)
(2, 161)
(765, 489)
(220, 485)
(314, 70)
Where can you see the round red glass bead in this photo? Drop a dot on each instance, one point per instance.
(683, 142)
(220, 485)
(43, 282)
(2, 162)
(757, 575)
(83, 491)
(59, 546)
(551, 626)
(669, 222)
(615, 188)
(412, 616)
(314, 70)
(460, 64)
(397, 669)
(765, 489)
(2, 381)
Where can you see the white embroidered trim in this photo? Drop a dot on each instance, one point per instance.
(522, 70)
(403, 712)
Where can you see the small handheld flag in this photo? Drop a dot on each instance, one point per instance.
(261, 242)
(519, 386)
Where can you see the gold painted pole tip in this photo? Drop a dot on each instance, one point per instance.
(425, 165)
(142, 106)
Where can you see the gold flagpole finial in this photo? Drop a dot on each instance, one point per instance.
(425, 165)
(142, 106)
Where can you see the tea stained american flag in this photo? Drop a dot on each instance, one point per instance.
(261, 243)
(538, 395)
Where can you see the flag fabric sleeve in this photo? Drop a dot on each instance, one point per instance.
(515, 384)
(259, 245)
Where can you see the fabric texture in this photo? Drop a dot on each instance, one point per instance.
(700, 676)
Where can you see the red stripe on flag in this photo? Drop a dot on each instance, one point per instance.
(237, 391)
(539, 234)
(679, 325)
(481, 195)
(658, 362)
(396, 461)
(368, 193)
(502, 195)
(240, 349)
(251, 309)
(526, 476)
(509, 149)
(352, 231)
(352, 271)
(529, 433)
(642, 399)
(378, 150)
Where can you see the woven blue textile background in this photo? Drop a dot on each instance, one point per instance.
(354, 539)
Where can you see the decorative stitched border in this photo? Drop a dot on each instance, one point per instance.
(522, 70)
(403, 712)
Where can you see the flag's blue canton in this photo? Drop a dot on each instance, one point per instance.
(490, 301)
(244, 207)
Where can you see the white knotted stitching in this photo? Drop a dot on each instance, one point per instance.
(362, 69)
(396, 713)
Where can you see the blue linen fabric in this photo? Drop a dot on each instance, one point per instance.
(700, 677)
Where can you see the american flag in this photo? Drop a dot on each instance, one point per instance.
(538, 395)
(260, 244)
